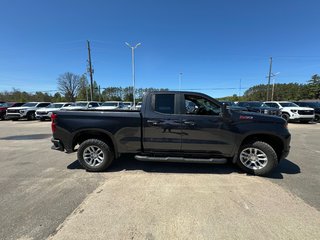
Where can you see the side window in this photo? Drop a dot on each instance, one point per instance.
(198, 105)
(43, 105)
(68, 104)
(93, 104)
(164, 103)
(274, 105)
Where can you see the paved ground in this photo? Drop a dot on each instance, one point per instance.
(44, 192)
(37, 190)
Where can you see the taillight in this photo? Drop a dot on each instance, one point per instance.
(53, 122)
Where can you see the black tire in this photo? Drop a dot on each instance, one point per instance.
(316, 118)
(285, 116)
(272, 159)
(31, 116)
(108, 155)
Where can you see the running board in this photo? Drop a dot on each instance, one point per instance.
(181, 159)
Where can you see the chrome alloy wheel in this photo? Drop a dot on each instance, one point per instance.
(253, 158)
(93, 156)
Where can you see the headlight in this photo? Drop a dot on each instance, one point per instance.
(266, 111)
(294, 111)
(22, 111)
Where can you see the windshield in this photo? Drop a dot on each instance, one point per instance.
(29, 105)
(313, 104)
(288, 104)
(254, 104)
(110, 104)
(55, 105)
(80, 104)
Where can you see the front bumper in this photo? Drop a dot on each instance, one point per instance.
(43, 115)
(14, 115)
(301, 117)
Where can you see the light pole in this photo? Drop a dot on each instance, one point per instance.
(180, 79)
(133, 71)
(273, 77)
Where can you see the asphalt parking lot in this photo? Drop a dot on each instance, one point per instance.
(45, 193)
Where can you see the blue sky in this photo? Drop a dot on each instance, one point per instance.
(213, 43)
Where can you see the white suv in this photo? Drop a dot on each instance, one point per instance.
(291, 111)
(27, 110)
(81, 105)
(45, 113)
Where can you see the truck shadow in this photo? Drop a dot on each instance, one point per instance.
(27, 137)
(128, 163)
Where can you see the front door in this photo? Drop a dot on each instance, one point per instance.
(204, 131)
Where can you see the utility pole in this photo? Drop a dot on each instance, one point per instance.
(269, 78)
(99, 94)
(272, 93)
(133, 72)
(90, 70)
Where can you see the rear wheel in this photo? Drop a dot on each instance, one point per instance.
(257, 158)
(95, 155)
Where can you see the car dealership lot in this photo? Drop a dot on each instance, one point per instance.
(45, 192)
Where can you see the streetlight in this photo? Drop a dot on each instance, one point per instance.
(133, 71)
(180, 79)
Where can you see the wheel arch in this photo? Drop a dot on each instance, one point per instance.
(274, 141)
(86, 134)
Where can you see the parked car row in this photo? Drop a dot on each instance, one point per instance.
(301, 111)
(43, 110)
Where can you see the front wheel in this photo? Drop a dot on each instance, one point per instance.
(257, 158)
(285, 116)
(316, 118)
(95, 155)
(31, 116)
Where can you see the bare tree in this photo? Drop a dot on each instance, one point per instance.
(69, 85)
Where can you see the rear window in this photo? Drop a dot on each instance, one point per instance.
(164, 103)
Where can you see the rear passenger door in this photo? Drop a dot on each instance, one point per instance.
(162, 124)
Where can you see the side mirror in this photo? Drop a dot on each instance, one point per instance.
(225, 110)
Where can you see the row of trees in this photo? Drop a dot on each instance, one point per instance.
(73, 87)
(282, 91)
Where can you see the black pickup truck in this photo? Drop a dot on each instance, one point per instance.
(168, 129)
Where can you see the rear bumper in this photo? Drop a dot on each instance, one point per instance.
(57, 145)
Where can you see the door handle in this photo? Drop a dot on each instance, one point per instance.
(153, 122)
(189, 123)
